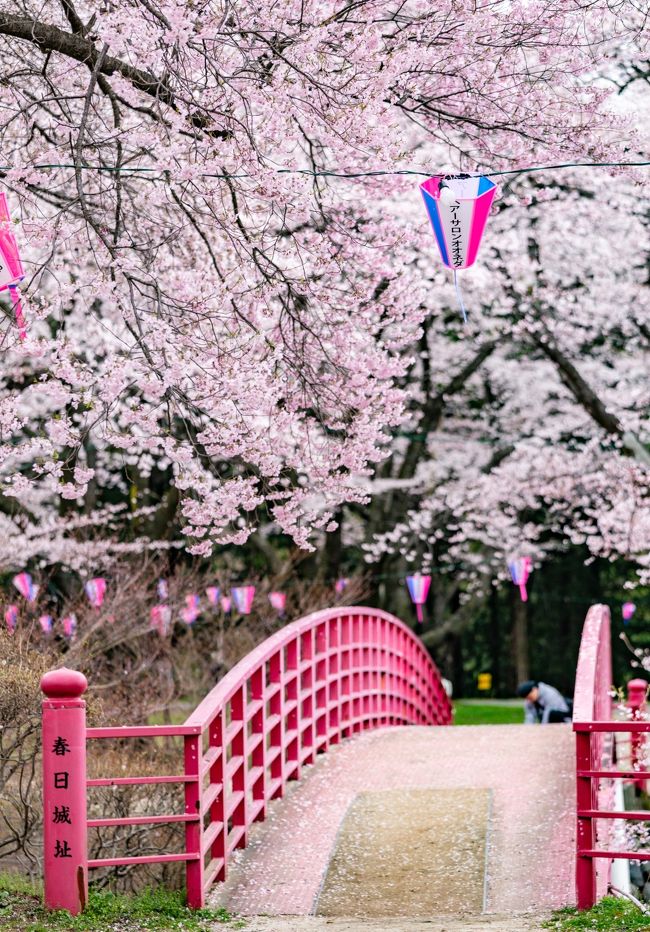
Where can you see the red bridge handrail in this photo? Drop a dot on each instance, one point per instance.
(320, 679)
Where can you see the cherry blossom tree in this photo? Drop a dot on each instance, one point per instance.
(222, 331)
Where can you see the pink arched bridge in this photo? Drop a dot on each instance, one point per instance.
(402, 816)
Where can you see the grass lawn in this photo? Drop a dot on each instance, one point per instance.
(21, 910)
(493, 713)
(610, 915)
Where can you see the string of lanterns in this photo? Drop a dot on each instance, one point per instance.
(241, 598)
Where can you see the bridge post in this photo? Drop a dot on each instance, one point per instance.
(637, 691)
(65, 829)
(585, 865)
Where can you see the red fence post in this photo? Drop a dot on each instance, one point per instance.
(637, 691)
(65, 832)
(585, 866)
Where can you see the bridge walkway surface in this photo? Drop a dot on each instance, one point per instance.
(416, 828)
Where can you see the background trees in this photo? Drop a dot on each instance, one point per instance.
(221, 351)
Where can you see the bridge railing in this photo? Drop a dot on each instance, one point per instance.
(320, 679)
(594, 728)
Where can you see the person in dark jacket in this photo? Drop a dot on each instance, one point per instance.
(544, 704)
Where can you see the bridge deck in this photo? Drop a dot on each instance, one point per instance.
(526, 866)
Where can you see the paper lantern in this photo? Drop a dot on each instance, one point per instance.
(628, 610)
(46, 622)
(213, 593)
(458, 208)
(341, 585)
(24, 585)
(162, 589)
(278, 600)
(11, 268)
(418, 587)
(243, 597)
(161, 616)
(192, 610)
(95, 590)
(520, 569)
(70, 626)
(11, 618)
(226, 604)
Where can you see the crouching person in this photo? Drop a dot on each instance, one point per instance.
(544, 704)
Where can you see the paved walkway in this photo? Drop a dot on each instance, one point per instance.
(528, 773)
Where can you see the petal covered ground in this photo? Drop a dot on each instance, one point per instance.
(526, 772)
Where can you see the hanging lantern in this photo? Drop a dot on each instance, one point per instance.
(627, 611)
(46, 622)
(161, 617)
(163, 590)
(11, 618)
(278, 600)
(226, 604)
(243, 597)
(11, 268)
(520, 569)
(24, 585)
(95, 590)
(341, 585)
(458, 208)
(192, 610)
(70, 626)
(418, 587)
(213, 593)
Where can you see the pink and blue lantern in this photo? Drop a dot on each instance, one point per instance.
(418, 587)
(70, 626)
(161, 616)
(213, 593)
(243, 597)
(163, 589)
(24, 585)
(226, 604)
(458, 208)
(11, 268)
(627, 611)
(279, 601)
(520, 569)
(96, 590)
(47, 623)
(341, 585)
(191, 611)
(11, 618)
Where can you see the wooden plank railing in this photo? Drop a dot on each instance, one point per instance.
(320, 679)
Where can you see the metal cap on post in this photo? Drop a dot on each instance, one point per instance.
(65, 847)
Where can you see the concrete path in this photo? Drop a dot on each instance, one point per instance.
(528, 772)
(518, 923)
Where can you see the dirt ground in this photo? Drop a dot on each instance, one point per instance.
(512, 923)
(412, 853)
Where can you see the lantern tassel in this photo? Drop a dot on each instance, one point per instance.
(523, 592)
(18, 311)
(418, 612)
(460, 296)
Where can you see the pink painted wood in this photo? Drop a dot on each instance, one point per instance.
(317, 681)
(592, 712)
(65, 846)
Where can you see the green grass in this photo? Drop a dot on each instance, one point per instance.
(474, 714)
(21, 910)
(610, 915)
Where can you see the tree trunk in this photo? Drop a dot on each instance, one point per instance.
(520, 638)
(495, 642)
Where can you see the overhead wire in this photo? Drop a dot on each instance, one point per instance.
(227, 176)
